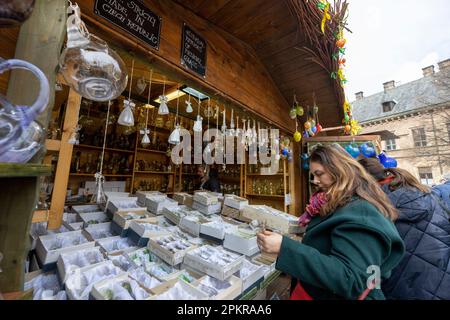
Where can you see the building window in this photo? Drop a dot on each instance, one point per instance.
(419, 137)
(388, 106)
(426, 176)
(391, 145)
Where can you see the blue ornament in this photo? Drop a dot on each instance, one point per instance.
(314, 129)
(305, 134)
(305, 160)
(368, 150)
(386, 161)
(285, 152)
(353, 150)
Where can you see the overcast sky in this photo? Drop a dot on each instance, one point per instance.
(394, 40)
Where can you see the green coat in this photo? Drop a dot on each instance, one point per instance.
(336, 250)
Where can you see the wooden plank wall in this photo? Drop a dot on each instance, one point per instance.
(8, 39)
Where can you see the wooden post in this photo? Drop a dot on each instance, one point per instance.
(64, 159)
(40, 41)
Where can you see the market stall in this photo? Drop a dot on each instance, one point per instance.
(233, 66)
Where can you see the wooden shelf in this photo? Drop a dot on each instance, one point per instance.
(188, 174)
(151, 151)
(85, 146)
(265, 175)
(154, 172)
(105, 175)
(10, 170)
(264, 196)
(52, 145)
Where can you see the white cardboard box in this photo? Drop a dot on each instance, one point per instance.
(207, 209)
(174, 215)
(183, 198)
(250, 273)
(99, 231)
(99, 288)
(188, 288)
(230, 293)
(71, 261)
(116, 244)
(89, 218)
(206, 198)
(217, 229)
(195, 260)
(264, 259)
(142, 196)
(171, 257)
(191, 223)
(235, 202)
(127, 204)
(124, 218)
(139, 226)
(87, 208)
(156, 204)
(241, 240)
(273, 219)
(48, 255)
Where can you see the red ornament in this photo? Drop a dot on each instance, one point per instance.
(318, 127)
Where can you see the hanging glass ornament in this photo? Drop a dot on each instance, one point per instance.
(145, 141)
(198, 124)
(231, 132)
(386, 161)
(224, 124)
(293, 113)
(163, 108)
(368, 150)
(126, 117)
(209, 114)
(75, 136)
(20, 136)
(188, 105)
(174, 137)
(88, 65)
(353, 150)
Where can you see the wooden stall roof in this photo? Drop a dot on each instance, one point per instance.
(272, 31)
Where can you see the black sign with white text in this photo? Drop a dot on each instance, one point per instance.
(193, 51)
(133, 17)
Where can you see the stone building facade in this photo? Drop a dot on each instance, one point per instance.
(413, 121)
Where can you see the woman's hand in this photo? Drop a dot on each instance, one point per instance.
(269, 242)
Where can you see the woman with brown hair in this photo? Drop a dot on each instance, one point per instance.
(350, 243)
(424, 272)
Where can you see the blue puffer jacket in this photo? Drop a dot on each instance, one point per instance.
(424, 272)
(443, 192)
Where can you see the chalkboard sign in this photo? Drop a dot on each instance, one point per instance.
(193, 51)
(133, 17)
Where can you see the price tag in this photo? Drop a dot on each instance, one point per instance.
(287, 199)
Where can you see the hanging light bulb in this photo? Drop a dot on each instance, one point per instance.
(188, 105)
(163, 109)
(126, 117)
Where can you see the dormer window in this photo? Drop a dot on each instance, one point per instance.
(388, 105)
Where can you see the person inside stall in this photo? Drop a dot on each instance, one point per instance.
(423, 223)
(208, 179)
(350, 244)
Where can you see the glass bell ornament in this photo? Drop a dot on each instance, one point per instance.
(299, 110)
(386, 161)
(145, 142)
(297, 136)
(198, 124)
(367, 150)
(163, 109)
(126, 117)
(174, 137)
(99, 194)
(20, 136)
(353, 150)
(189, 106)
(293, 113)
(74, 137)
(88, 65)
(15, 12)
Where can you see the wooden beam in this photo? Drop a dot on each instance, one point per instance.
(52, 145)
(64, 160)
(40, 216)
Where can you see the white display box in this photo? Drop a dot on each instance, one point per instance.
(147, 228)
(99, 231)
(192, 223)
(183, 198)
(156, 204)
(207, 209)
(79, 284)
(103, 290)
(174, 215)
(71, 221)
(115, 194)
(273, 219)
(124, 218)
(161, 292)
(168, 248)
(116, 244)
(69, 262)
(217, 229)
(87, 208)
(108, 186)
(206, 198)
(235, 202)
(214, 261)
(163, 271)
(128, 204)
(267, 260)
(250, 273)
(228, 289)
(142, 195)
(241, 240)
(50, 247)
(175, 230)
(89, 218)
(142, 257)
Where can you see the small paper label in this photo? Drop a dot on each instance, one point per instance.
(287, 199)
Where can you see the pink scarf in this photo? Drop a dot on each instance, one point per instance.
(316, 201)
